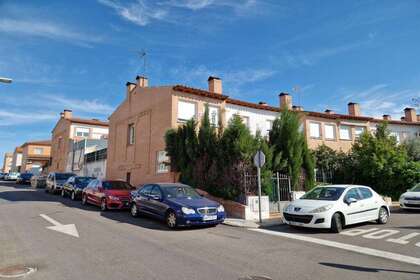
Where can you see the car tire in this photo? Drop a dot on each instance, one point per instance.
(84, 199)
(134, 211)
(336, 223)
(73, 196)
(103, 205)
(383, 216)
(171, 220)
(63, 193)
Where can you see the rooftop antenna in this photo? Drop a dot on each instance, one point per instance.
(416, 102)
(296, 90)
(142, 55)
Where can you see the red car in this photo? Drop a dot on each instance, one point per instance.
(108, 194)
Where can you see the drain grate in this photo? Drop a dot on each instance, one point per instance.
(16, 271)
(255, 278)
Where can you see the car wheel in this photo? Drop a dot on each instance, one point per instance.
(84, 199)
(171, 219)
(63, 193)
(336, 223)
(134, 211)
(383, 216)
(103, 205)
(73, 196)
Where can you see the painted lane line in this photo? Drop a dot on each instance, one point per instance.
(344, 246)
(66, 229)
(380, 234)
(403, 239)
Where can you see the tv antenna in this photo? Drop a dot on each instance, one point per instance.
(142, 55)
(296, 90)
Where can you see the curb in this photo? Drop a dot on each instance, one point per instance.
(252, 224)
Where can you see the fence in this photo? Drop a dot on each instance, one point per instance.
(324, 176)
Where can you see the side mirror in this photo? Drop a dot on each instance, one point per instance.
(155, 197)
(350, 200)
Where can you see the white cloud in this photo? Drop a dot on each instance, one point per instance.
(48, 30)
(80, 105)
(191, 4)
(9, 118)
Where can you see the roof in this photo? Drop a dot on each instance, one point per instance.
(89, 121)
(205, 93)
(40, 143)
(19, 149)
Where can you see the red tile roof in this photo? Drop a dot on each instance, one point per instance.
(199, 92)
(40, 143)
(89, 121)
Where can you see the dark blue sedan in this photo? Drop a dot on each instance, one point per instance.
(176, 204)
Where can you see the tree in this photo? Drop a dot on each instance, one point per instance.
(290, 150)
(413, 148)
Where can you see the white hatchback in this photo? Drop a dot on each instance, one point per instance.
(411, 198)
(335, 206)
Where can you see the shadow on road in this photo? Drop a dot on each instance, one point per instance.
(365, 269)
(24, 193)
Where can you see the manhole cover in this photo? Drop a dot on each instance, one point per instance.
(16, 271)
(255, 278)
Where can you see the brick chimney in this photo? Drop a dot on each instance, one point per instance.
(67, 114)
(354, 109)
(410, 115)
(329, 112)
(386, 117)
(263, 103)
(61, 115)
(285, 100)
(297, 108)
(142, 81)
(129, 87)
(215, 85)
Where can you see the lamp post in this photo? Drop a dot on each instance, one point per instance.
(5, 80)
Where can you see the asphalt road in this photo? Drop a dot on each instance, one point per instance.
(112, 245)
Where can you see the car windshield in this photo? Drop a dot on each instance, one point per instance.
(83, 180)
(63, 176)
(416, 188)
(324, 193)
(178, 191)
(116, 185)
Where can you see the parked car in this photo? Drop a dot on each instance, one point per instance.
(2, 176)
(11, 176)
(74, 186)
(24, 178)
(108, 194)
(39, 181)
(411, 198)
(55, 181)
(176, 204)
(336, 206)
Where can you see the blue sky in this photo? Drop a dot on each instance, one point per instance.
(79, 54)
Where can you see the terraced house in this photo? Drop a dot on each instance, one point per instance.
(136, 146)
(69, 130)
(36, 156)
(17, 159)
(7, 162)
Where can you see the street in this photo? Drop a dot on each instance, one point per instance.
(113, 245)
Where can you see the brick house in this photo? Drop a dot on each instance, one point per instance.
(7, 162)
(36, 156)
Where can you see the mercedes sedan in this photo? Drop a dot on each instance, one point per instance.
(176, 204)
(335, 206)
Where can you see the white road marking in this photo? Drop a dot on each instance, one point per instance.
(358, 231)
(381, 234)
(344, 246)
(403, 239)
(66, 229)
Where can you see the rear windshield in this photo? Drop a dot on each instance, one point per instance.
(116, 185)
(416, 188)
(63, 176)
(178, 191)
(324, 193)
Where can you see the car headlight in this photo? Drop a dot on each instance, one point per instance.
(220, 208)
(322, 209)
(402, 197)
(113, 197)
(289, 208)
(187, 210)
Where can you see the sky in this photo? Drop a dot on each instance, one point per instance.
(79, 54)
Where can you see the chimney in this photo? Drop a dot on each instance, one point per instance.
(142, 81)
(354, 109)
(329, 112)
(410, 115)
(262, 103)
(215, 85)
(129, 86)
(67, 114)
(403, 118)
(285, 100)
(386, 117)
(297, 108)
(61, 115)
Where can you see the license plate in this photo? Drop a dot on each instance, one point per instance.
(209, 217)
(296, 224)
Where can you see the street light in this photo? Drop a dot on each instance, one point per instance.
(5, 80)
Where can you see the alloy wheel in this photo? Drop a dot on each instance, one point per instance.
(73, 196)
(134, 211)
(383, 216)
(84, 199)
(171, 220)
(103, 205)
(63, 194)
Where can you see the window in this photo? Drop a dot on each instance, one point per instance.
(345, 132)
(245, 120)
(315, 130)
(128, 177)
(82, 132)
(329, 131)
(156, 192)
(358, 130)
(145, 191)
(353, 193)
(38, 151)
(131, 134)
(365, 192)
(214, 115)
(186, 111)
(162, 162)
